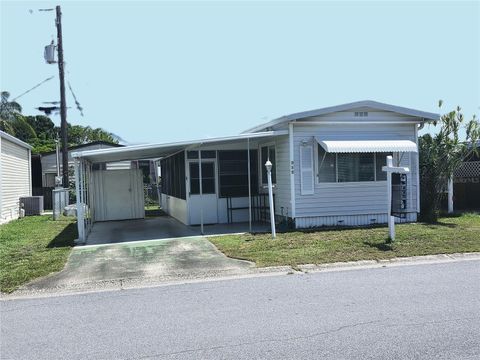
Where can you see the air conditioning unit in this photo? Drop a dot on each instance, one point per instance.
(33, 205)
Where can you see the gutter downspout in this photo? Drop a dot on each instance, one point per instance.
(417, 128)
(292, 170)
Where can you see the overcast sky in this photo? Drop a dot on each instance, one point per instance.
(166, 71)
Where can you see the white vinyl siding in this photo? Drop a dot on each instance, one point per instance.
(350, 198)
(282, 189)
(15, 178)
(306, 169)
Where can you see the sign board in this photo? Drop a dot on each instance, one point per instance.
(399, 195)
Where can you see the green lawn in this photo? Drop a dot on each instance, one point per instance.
(449, 235)
(33, 247)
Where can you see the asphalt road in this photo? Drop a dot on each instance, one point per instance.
(408, 312)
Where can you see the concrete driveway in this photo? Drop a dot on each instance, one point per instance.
(163, 227)
(93, 267)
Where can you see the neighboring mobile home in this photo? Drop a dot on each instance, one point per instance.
(327, 169)
(48, 160)
(15, 175)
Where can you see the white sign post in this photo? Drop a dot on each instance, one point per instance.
(389, 169)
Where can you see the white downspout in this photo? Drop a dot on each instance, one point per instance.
(292, 170)
(417, 165)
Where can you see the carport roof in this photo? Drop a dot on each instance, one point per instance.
(155, 151)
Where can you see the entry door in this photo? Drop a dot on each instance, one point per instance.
(207, 202)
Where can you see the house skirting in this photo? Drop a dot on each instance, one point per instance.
(348, 220)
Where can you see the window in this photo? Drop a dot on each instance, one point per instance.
(50, 179)
(99, 166)
(350, 167)
(356, 167)
(268, 153)
(233, 173)
(208, 178)
(381, 160)
(206, 154)
(327, 167)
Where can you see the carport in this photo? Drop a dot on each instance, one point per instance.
(104, 195)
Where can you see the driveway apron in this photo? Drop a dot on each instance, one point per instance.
(154, 260)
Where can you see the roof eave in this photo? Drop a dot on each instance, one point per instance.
(15, 140)
(423, 115)
(184, 144)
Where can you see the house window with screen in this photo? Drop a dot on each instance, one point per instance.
(350, 167)
(268, 153)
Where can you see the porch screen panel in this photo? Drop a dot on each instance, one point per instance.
(233, 173)
(173, 176)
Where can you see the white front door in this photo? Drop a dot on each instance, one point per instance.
(204, 205)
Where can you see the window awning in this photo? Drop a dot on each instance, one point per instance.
(367, 146)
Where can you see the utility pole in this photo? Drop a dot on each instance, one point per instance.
(63, 104)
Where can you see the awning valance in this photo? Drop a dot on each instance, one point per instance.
(367, 146)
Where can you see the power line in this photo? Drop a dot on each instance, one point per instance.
(36, 86)
(79, 107)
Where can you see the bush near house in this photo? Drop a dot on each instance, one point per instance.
(442, 153)
(32, 247)
(448, 235)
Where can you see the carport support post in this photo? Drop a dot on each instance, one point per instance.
(201, 188)
(80, 218)
(249, 189)
(390, 218)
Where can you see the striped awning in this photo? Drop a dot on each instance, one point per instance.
(367, 146)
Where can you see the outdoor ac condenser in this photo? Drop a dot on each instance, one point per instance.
(33, 205)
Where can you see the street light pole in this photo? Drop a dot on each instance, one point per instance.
(268, 166)
(63, 104)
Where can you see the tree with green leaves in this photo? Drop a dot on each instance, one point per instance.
(41, 132)
(440, 155)
(8, 109)
(12, 121)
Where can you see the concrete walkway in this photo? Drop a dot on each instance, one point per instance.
(148, 261)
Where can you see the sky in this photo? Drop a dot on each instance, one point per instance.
(155, 71)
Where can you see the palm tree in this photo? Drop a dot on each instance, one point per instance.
(8, 109)
(12, 121)
(8, 112)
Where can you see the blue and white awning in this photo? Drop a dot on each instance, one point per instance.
(367, 146)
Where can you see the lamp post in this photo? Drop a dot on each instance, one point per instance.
(268, 166)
